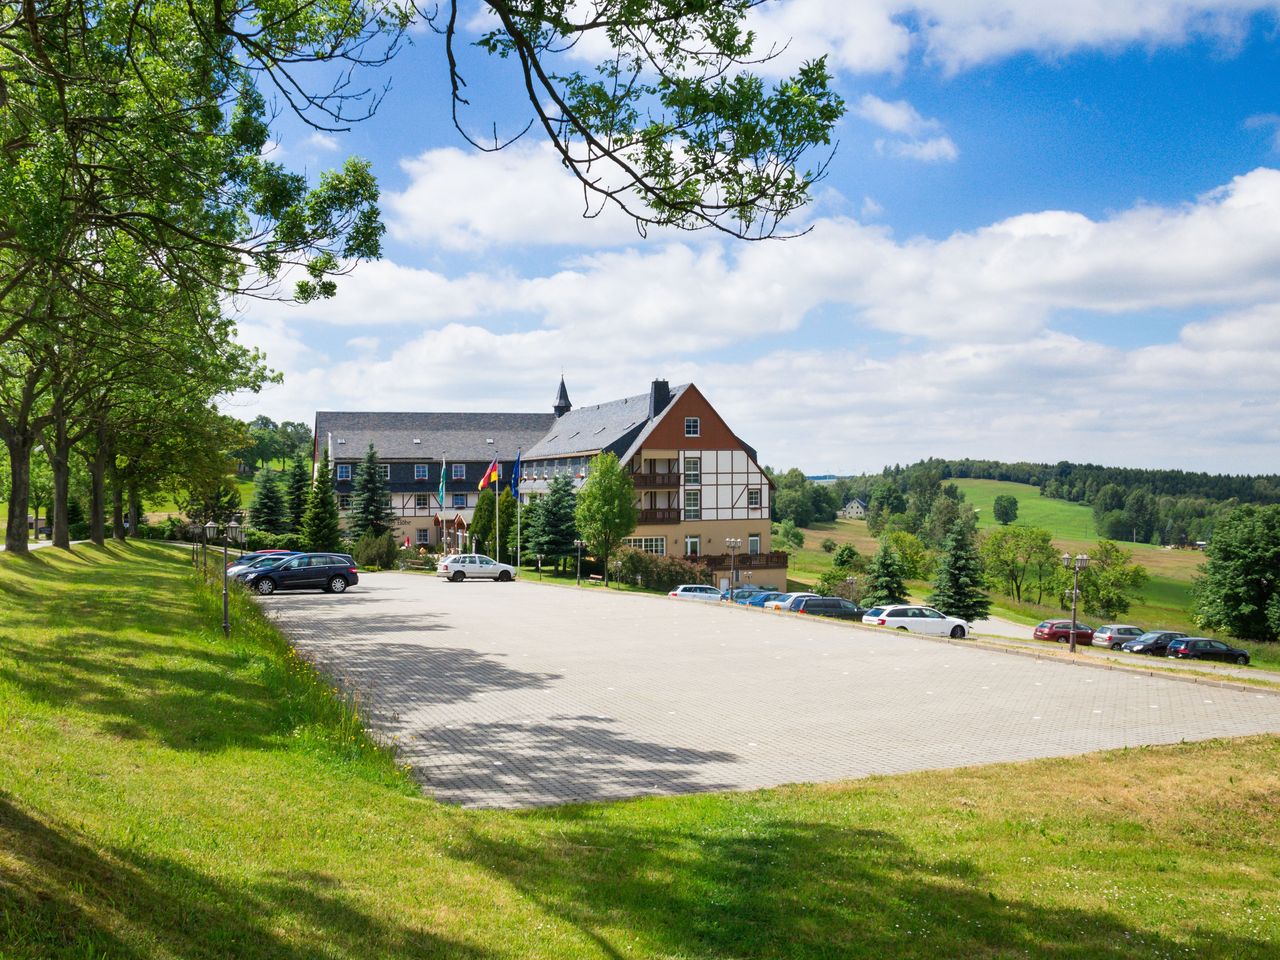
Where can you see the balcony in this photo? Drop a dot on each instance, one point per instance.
(659, 516)
(655, 481)
(743, 561)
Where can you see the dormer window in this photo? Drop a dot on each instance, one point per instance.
(692, 427)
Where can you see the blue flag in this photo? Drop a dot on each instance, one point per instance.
(515, 477)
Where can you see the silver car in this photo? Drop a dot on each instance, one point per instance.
(475, 566)
(1115, 635)
(695, 591)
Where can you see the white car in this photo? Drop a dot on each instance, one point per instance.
(476, 566)
(917, 620)
(784, 602)
(695, 591)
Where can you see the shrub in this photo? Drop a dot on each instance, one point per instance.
(652, 572)
(828, 545)
(377, 550)
(78, 531)
(261, 540)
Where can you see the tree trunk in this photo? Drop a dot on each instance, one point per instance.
(97, 465)
(15, 535)
(117, 507)
(135, 511)
(58, 449)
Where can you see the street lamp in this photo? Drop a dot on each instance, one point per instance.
(734, 544)
(617, 572)
(540, 556)
(231, 533)
(1074, 564)
(579, 544)
(210, 530)
(851, 582)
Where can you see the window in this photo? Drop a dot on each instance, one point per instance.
(344, 471)
(424, 536)
(384, 470)
(344, 501)
(459, 501)
(693, 504)
(386, 500)
(422, 501)
(419, 471)
(692, 427)
(753, 544)
(693, 546)
(753, 499)
(459, 471)
(692, 471)
(654, 545)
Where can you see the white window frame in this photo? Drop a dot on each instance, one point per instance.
(456, 504)
(693, 471)
(342, 471)
(655, 545)
(344, 501)
(754, 499)
(422, 501)
(423, 537)
(386, 501)
(459, 471)
(692, 426)
(693, 504)
(696, 543)
(384, 469)
(753, 544)
(419, 471)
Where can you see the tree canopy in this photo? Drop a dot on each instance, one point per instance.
(606, 510)
(1239, 591)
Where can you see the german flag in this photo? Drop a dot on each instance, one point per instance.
(490, 475)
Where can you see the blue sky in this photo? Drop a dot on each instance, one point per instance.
(1050, 231)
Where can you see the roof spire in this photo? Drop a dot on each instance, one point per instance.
(563, 405)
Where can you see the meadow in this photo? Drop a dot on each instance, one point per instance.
(166, 792)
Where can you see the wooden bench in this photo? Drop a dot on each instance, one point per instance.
(595, 578)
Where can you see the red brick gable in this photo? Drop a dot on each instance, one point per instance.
(714, 432)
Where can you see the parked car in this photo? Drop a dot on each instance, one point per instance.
(1202, 648)
(917, 619)
(1060, 630)
(784, 602)
(1153, 642)
(1114, 635)
(459, 566)
(836, 607)
(741, 594)
(256, 555)
(250, 562)
(695, 591)
(330, 572)
(760, 599)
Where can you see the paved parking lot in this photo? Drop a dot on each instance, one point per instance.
(520, 694)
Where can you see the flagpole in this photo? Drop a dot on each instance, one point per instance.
(515, 482)
(497, 517)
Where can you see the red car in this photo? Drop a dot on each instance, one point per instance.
(1060, 630)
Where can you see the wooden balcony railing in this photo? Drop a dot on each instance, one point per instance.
(659, 516)
(743, 561)
(655, 481)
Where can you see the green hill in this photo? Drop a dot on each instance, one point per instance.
(1067, 521)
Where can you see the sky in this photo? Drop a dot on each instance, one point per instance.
(1050, 231)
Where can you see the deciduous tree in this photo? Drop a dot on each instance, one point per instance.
(606, 510)
(1239, 591)
(1005, 509)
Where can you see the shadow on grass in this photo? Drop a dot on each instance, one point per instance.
(733, 882)
(62, 897)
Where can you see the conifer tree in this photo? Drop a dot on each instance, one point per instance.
(885, 583)
(959, 587)
(298, 485)
(370, 511)
(320, 530)
(267, 511)
(553, 528)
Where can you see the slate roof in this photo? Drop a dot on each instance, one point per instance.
(613, 426)
(458, 436)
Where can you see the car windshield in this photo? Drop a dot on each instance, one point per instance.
(875, 612)
(268, 561)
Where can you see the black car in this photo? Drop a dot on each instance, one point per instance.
(1153, 642)
(1202, 648)
(829, 607)
(331, 572)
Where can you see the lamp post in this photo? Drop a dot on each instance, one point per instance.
(1074, 564)
(734, 544)
(579, 544)
(851, 582)
(617, 572)
(210, 530)
(540, 556)
(232, 531)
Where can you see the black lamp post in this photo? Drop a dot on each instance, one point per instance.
(579, 544)
(540, 556)
(851, 582)
(231, 533)
(210, 530)
(734, 544)
(1075, 564)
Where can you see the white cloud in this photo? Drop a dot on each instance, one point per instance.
(979, 370)
(933, 150)
(879, 36)
(899, 116)
(1266, 121)
(871, 209)
(322, 141)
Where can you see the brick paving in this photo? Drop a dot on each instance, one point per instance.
(520, 694)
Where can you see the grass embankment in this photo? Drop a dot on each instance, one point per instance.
(166, 793)
(163, 506)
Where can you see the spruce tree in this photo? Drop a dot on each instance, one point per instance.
(320, 529)
(370, 512)
(299, 483)
(959, 587)
(553, 528)
(267, 511)
(885, 583)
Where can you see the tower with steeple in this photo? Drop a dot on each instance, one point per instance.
(563, 405)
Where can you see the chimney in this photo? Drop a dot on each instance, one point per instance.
(659, 397)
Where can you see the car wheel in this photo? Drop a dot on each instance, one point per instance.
(337, 585)
(504, 576)
(1115, 646)
(957, 633)
(458, 576)
(1241, 660)
(265, 587)
(903, 629)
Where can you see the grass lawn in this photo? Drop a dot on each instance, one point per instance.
(1072, 521)
(162, 506)
(166, 793)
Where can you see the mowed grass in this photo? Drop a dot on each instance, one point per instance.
(167, 793)
(163, 506)
(1068, 521)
